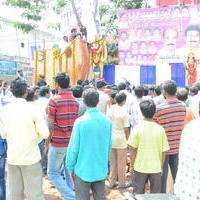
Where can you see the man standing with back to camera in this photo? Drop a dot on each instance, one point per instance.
(62, 112)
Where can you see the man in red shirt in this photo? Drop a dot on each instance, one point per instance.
(62, 112)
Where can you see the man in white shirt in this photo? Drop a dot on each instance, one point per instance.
(22, 126)
(103, 98)
(41, 105)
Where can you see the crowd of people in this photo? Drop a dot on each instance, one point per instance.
(81, 135)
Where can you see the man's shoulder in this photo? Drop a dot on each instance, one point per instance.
(88, 118)
(61, 99)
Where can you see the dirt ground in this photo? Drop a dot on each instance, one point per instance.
(52, 194)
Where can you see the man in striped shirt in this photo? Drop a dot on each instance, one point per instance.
(62, 112)
(171, 115)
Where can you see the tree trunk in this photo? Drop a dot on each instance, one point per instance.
(76, 14)
(96, 3)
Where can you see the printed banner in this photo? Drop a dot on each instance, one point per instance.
(161, 36)
(8, 68)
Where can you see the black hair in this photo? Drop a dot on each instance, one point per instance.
(152, 88)
(120, 97)
(192, 28)
(146, 91)
(62, 80)
(194, 90)
(30, 96)
(73, 30)
(44, 90)
(112, 94)
(148, 108)
(121, 86)
(79, 82)
(187, 87)
(36, 88)
(158, 90)
(54, 91)
(18, 88)
(77, 91)
(139, 91)
(91, 97)
(182, 95)
(108, 87)
(87, 82)
(170, 87)
(100, 84)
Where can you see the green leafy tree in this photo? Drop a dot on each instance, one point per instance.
(31, 11)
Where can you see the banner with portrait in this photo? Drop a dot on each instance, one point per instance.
(162, 37)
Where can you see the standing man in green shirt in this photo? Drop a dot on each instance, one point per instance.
(148, 143)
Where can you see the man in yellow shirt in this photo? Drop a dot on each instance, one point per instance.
(148, 142)
(22, 127)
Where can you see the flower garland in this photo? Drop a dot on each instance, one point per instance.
(98, 51)
(56, 53)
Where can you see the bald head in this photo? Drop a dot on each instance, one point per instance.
(182, 94)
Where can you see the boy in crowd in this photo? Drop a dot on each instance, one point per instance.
(148, 143)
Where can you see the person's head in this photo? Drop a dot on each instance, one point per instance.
(54, 92)
(134, 45)
(74, 31)
(30, 96)
(120, 98)
(148, 108)
(151, 91)
(147, 32)
(170, 37)
(36, 90)
(79, 82)
(42, 77)
(5, 85)
(146, 91)
(91, 97)
(112, 96)
(193, 91)
(182, 94)
(158, 90)
(62, 80)
(121, 86)
(187, 87)
(19, 88)
(100, 84)
(20, 72)
(139, 92)
(77, 91)
(143, 45)
(122, 54)
(124, 36)
(169, 88)
(45, 91)
(65, 38)
(192, 34)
